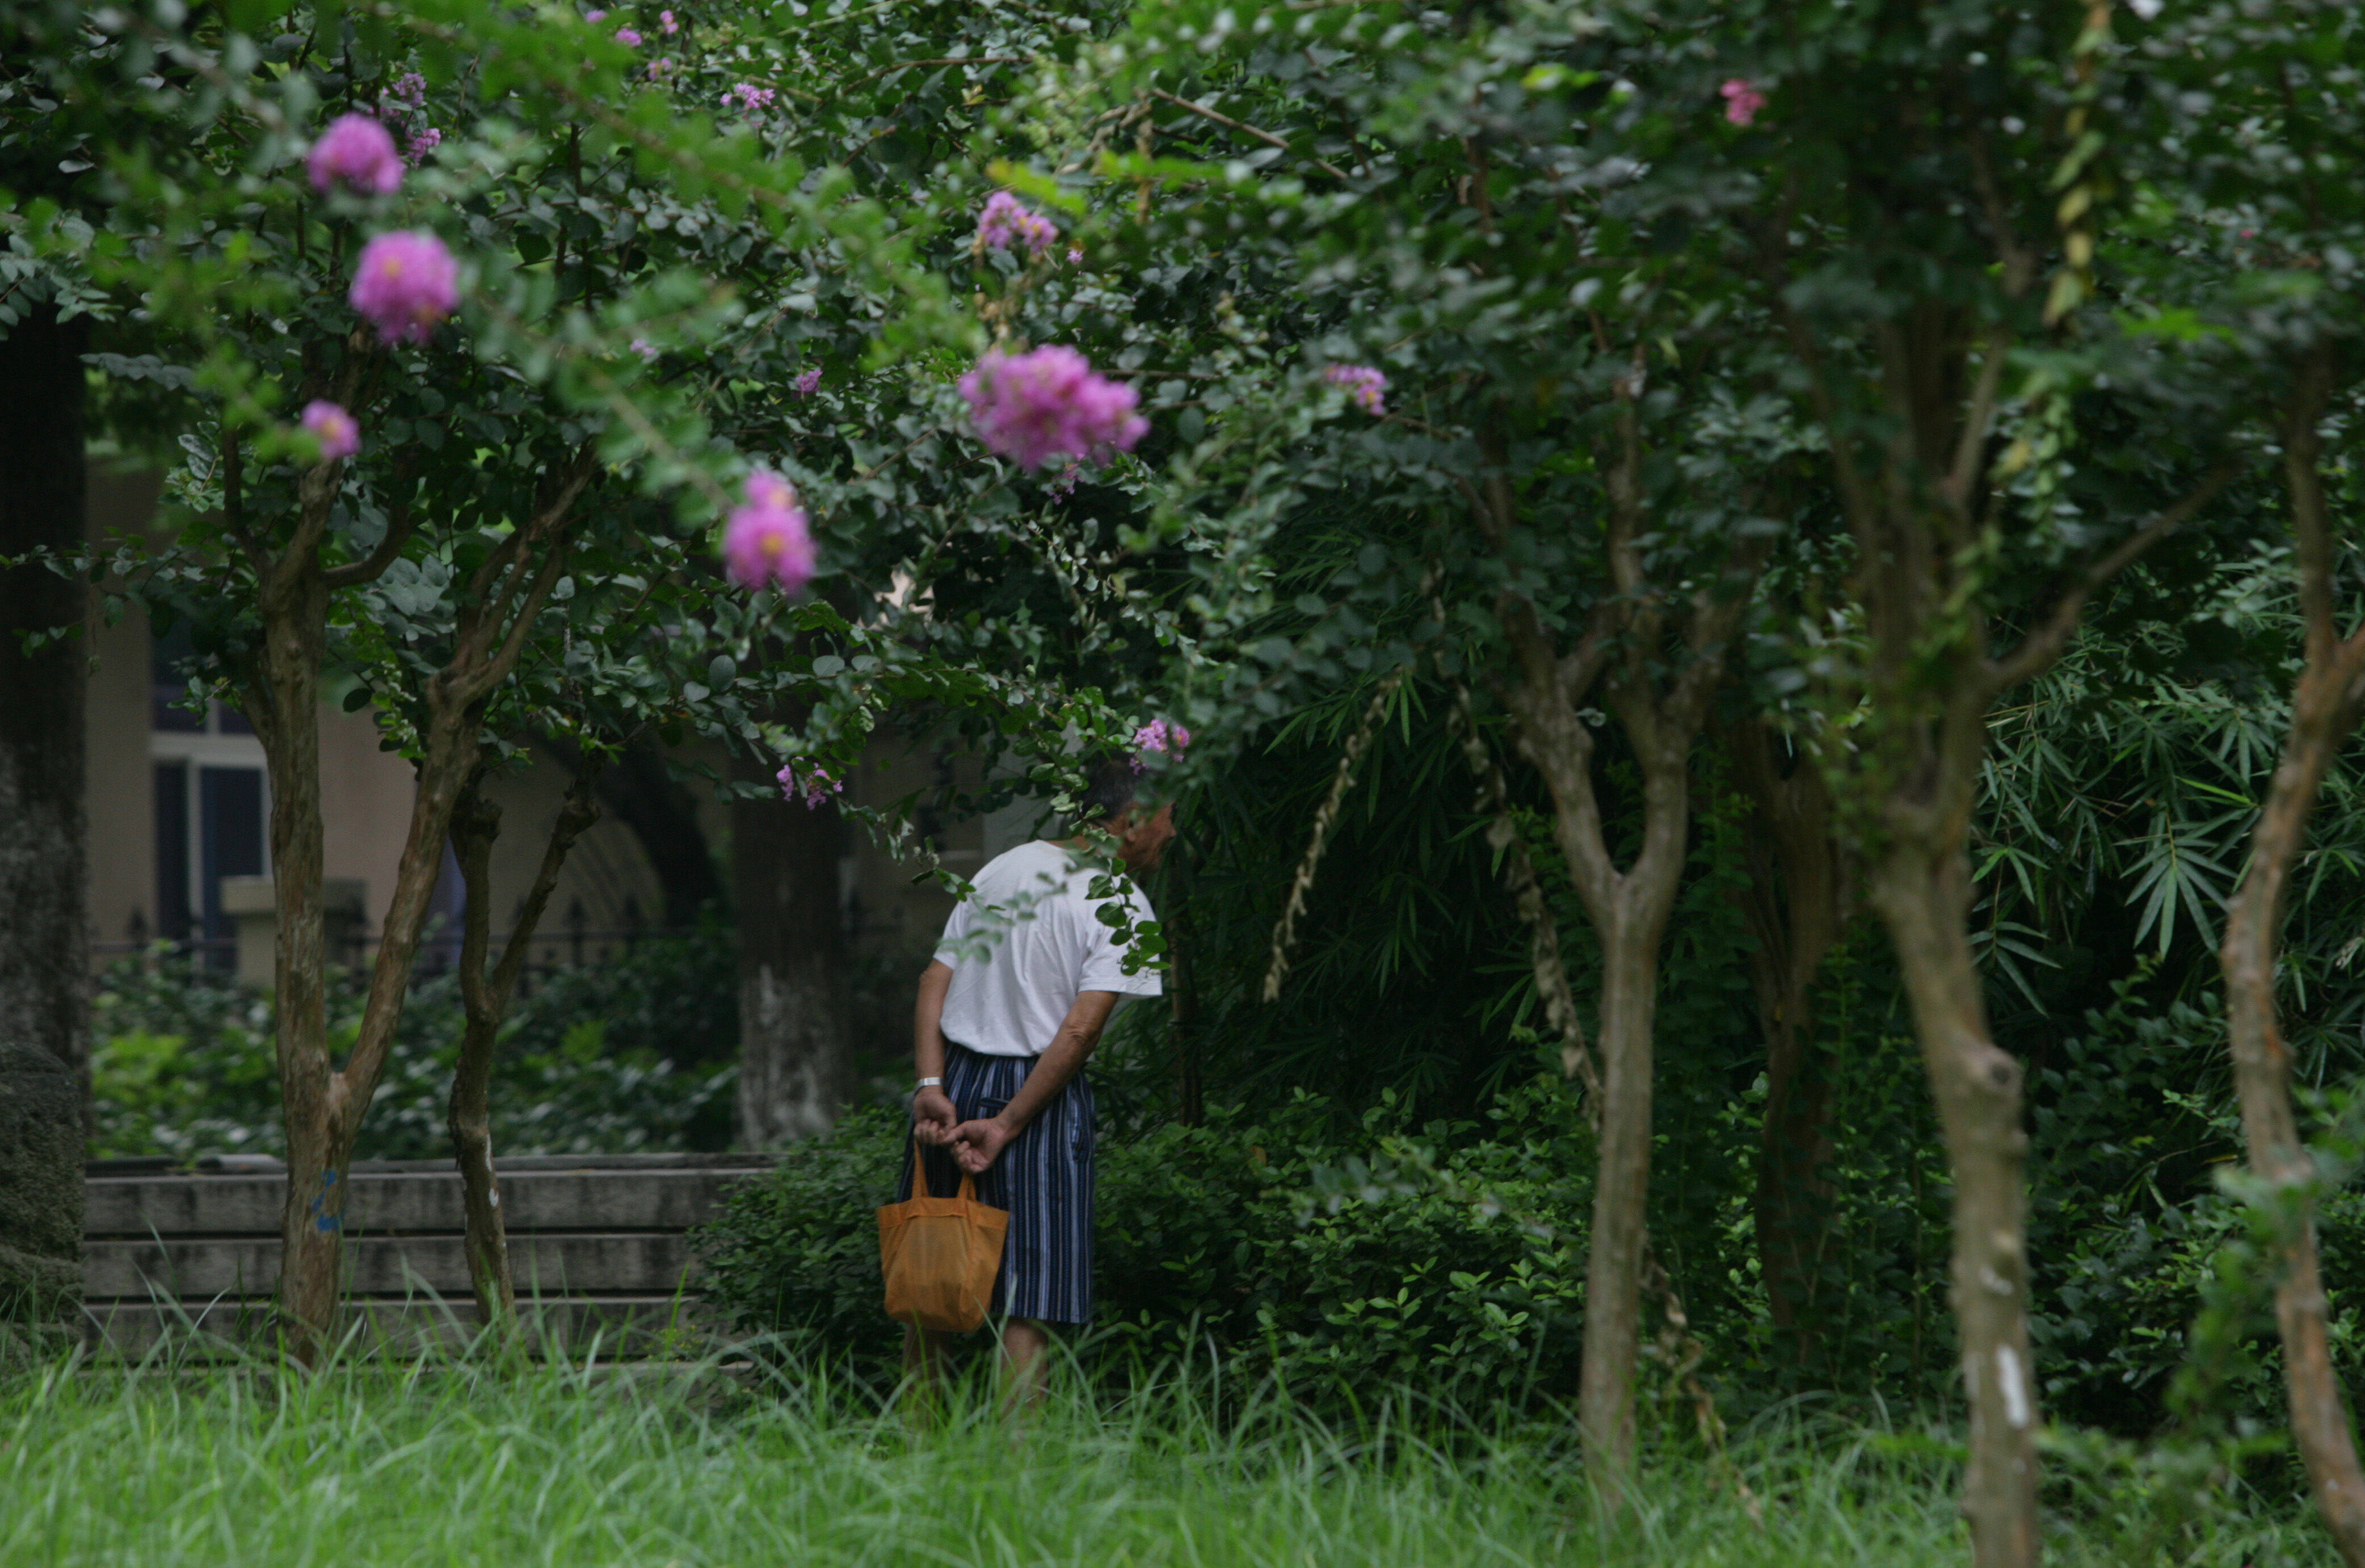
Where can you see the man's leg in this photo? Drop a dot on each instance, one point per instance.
(1026, 1364)
(925, 1357)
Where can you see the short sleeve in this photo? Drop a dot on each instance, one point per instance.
(957, 928)
(1105, 955)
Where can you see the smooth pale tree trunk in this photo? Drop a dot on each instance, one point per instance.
(2324, 706)
(1794, 906)
(1628, 909)
(44, 937)
(795, 1009)
(485, 994)
(1923, 892)
(1655, 661)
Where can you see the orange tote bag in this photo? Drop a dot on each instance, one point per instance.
(940, 1254)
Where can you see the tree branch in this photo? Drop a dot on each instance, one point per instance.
(2042, 646)
(1267, 138)
(398, 526)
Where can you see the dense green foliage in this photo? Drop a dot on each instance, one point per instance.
(1673, 302)
(1437, 1254)
(610, 1058)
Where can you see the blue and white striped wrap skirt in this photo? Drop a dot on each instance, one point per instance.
(1043, 1177)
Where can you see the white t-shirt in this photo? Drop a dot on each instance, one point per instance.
(1010, 998)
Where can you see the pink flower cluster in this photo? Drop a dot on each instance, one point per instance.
(1742, 101)
(410, 88)
(767, 540)
(1049, 403)
(628, 38)
(426, 142)
(1365, 387)
(1159, 737)
(666, 21)
(645, 349)
(807, 383)
(406, 284)
(750, 96)
(358, 152)
(1007, 219)
(811, 783)
(339, 433)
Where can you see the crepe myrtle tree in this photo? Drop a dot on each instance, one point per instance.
(2257, 239)
(399, 416)
(1927, 225)
(1442, 290)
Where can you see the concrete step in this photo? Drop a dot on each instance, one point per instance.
(649, 1261)
(667, 1198)
(597, 1242)
(620, 1327)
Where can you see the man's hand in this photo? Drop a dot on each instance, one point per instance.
(933, 1117)
(975, 1144)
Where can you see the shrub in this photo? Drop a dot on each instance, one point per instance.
(183, 1065)
(1444, 1256)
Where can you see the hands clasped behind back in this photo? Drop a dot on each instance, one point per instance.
(974, 1144)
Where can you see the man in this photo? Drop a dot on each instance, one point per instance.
(1024, 978)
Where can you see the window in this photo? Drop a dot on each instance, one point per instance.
(212, 805)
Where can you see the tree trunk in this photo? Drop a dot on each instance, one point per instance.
(1628, 911)
(324, 1106)
(2325, 706)
(795, 1014)
(1613, 1264)
(475, 824)
(1923, 894)
(44, 937)
(1793, 907)
(286, 711)
(44, 940)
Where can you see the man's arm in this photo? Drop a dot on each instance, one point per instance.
(932, 1116)
(975, 1144)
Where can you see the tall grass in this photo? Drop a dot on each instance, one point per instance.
(442, 1462)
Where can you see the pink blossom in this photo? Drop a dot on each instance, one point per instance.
(1365, 387)
(750, 97)
(1006, 218)
(595, 16)
(1158, 735)
(1075, 255)
(664, 20)
(406, 283)
(1064, 486)
(356, 149)
(1742, 101)
(767, 540)
(1049, 403)
(410, 88)
(811, 783)
(645, 349)
(339, 433)
(426, 142)
(628, 38)
(807, 383)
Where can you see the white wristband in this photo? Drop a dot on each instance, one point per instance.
(932, 1083)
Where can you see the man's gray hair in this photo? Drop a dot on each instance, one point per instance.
(1109, 789)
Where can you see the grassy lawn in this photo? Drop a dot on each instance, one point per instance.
(442, 1464)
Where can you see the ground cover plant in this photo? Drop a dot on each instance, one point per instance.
(371, 1464)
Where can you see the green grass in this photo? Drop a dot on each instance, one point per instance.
(438, 1463)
